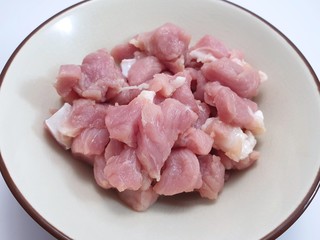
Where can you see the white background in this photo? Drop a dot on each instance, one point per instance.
(299, 20)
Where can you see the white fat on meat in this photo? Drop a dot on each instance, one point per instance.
(236, 144)
(257, 125)
(178, 82)
(142, 86)
(55, 122)
(202, 57)
(126, 64)
(148, 95)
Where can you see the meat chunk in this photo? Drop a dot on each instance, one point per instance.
(244, 81)
(84, 114)
(196, 140)
(123, 51)
(159, 128)
(99, 165)
(236, 144)
(181, 173)
(69, 121)
(203, 114)
(165, 85)
(243, 164)
(233, 109)
(208, 49)
(213, 174)
(143, 70)
(68, 77)
(184, 95)
(167, 43)
(122, 121)
(139, 200)
(89, 143)
(123, 171)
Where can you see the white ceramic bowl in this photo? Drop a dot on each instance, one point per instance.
(60, 193)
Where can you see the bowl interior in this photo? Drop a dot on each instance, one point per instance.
(62, 190)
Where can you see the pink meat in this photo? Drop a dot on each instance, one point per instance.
(114, 148)
(196, 140)
(89, 143)
(167, 43)
(125, 96)
(184, 95)
(153, 145)
(143, 70)
(101, 77)
(203, 114)
(198, 81)
(233, 109)
(84, 114)
(139, 200)
(122, 121)
(244, 81)
(165, 85)
(68, 77)
(159, 128)
(243, 164)
(181, 173)
(99, 165)
(175, 66)
(207, 49)
(177, 117)
(123, 51)
(213, 176)
(124, 171)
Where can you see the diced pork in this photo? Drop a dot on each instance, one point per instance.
(89, 143)
(143, 70)
(196, 140)
(167, 42)
(159, 128)
(139, 200)
(165, 85)
(181, 173)
(84, 114)
(184, 95)
(203, 114)
(122, 121)
(68, 77)
(123, 51)
(213, 176)
(99, 165)
(244, 81)
(123, 171)
(101, 77)
(233, 109)
(208, 49)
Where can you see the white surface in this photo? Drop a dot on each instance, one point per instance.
(298, 21)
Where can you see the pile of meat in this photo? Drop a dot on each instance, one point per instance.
(155, 116)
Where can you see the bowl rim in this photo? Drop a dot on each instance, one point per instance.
(275, 233)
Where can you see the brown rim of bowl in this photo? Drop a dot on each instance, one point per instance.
(59, 235)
